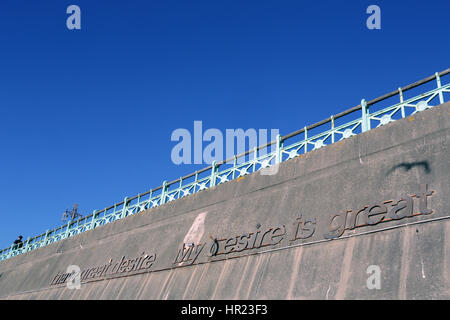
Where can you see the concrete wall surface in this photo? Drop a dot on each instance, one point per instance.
(364, 218)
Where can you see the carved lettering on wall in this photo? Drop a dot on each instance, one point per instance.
(405, 206)
(247, 241)
(188, 253)
(303, 229)
(379, 212)
(143, 262)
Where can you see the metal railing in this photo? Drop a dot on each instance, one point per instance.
(309, 138)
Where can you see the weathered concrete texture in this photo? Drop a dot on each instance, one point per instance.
(287, 261)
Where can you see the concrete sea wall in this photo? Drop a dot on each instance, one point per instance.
(322, 227)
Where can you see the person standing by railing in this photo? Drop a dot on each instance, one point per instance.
(18, 243)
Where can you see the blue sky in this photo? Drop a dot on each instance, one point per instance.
(86, 115)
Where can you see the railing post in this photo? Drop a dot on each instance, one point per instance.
(306, 140)
(26, 245)
(213, 174)
(92, 226)
(255, 156)
(400, 93)
(9, 254)
(66, 234)
(332, 129)
(438, 80)
(365, 124)
(163, 192)
(124, 208)
(45, 238)
(278, 149)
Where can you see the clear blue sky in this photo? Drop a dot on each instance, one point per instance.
(86, 115)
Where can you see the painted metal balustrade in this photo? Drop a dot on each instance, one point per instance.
(309, 138)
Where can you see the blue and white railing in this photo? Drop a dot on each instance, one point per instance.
(363, 117)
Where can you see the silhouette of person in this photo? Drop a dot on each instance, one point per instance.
(18, 243)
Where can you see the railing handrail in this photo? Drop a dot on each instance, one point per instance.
(213, 168)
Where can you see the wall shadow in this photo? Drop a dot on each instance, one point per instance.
(406, 166)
